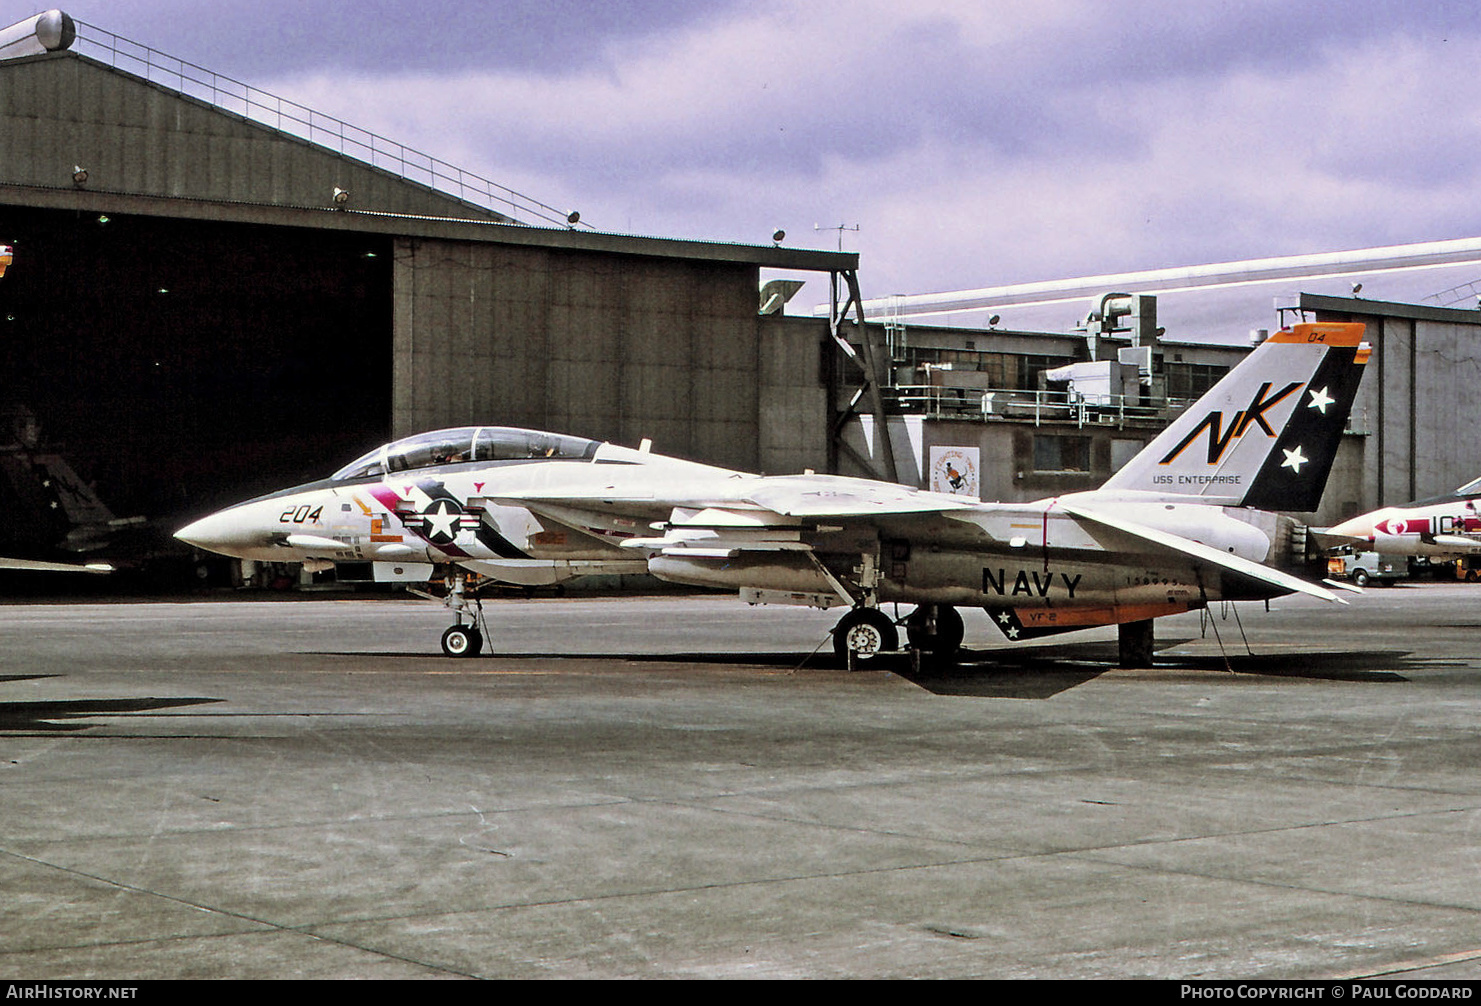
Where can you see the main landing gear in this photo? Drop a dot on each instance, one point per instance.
(864, 632)
(934, 629)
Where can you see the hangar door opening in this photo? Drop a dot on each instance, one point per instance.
(184, 364)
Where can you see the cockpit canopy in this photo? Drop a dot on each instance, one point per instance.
(465, 444)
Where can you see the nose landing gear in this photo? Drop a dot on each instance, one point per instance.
(462, 641)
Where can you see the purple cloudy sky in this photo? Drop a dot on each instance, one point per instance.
(972, 144)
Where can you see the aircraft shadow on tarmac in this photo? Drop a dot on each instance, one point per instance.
(1035, 672)
(1043, 671)
(42, 715)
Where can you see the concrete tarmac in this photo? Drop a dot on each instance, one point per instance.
(669, 788)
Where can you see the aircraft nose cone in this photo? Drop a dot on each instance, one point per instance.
(1357, 527)
(1364, 525)
(219, 532)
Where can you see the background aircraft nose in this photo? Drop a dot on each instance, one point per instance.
(1356, 527)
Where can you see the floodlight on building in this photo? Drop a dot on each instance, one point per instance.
(993, 320)
(777, 236)
(79, 175)
(341, 196)
(573, 218)
(1357, 288)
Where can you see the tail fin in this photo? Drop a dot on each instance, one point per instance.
(73, 496)
(1266, 435)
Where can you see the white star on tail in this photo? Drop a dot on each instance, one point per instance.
(1320, 400)
(1294, 459)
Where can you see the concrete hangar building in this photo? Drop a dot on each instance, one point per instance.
(195, 316)
(216, 291)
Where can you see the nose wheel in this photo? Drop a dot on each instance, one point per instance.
(462, 641)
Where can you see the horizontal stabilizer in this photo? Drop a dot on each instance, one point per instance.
(55, 567)
(1204, 553)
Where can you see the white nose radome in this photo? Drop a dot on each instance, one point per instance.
(227, 532)
(1363, 525)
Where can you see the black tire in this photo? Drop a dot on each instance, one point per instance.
(461, 641)
(946, 641)
(1360, 577)
(865, 631)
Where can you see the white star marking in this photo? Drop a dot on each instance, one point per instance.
(1294, 459)
(1012, 633)
(1320, 400)
(1005, 618)
(440, 521)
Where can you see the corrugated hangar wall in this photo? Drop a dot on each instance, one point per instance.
(604, 346)
(590, 344)
(1431, 376)
(63, 110)
(1416, 404)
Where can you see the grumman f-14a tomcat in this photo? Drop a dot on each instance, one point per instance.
(1189, 521)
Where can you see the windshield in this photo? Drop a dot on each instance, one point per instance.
(464, 444)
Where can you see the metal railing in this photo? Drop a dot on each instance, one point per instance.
(1038, 406)
(936, 402)
(303, 122)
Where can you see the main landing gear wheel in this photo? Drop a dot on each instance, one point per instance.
(864, 632)
(462, 641)
(943, 640)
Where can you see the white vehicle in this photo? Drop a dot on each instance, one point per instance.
(1172, 531)
(1365, 567)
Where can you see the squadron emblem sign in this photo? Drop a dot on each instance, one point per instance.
(955, 470)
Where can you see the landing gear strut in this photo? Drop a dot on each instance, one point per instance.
(462, 639)
(1135, 643)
